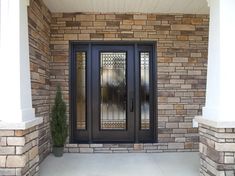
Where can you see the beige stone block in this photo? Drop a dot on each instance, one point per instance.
(180, 139)
(99, 23)
(140, 17)
(16, 141)
(175, 145)
(197, 21)
(6, 133)
(172, 125)
(182, 37)
(86, 150)
(125, 26)
(140, 34)
(7, 150)
(138, 146)
(180, 59)
(198, 38)
(70, 36)
(178, 106)
(194, 72)
(81, 17)
(110, 17)
(196, 54)
(127, 22)
(84, 36)
(166, 106)
(181, 44)
(100, 17)
(109, 35)
(86, 23)
(182, 27)
(31, 136)
(33, 153)
(16, 161)
(3, 141)
(226, 147)
(19, 132)
(185, 125)
(140, 22)
(173, 99)
(2, 161)
(179, 131)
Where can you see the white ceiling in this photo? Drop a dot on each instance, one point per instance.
(129, 6)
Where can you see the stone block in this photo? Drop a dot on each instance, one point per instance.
(140, 17)
(226, 147)
(3, 141)
(138, 146)
(229, 160)
(81, 17)
(7, 171)
(182, 27)
(33, 152)
(2, 161)
(31, 136)
(6, 133)
(16, 141)
(86, 150)
(7, 150)
(73, 150)
(16, 161)
(175, 145)
(96, 145)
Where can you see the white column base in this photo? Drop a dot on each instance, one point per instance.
(20, 125)
(213, 123)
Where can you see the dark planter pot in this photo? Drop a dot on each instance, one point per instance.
(58, 151)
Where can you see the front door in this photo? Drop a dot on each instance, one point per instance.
(112, 92)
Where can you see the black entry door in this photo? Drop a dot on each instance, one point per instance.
(112, 92)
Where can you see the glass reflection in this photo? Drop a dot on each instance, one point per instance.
(113, 90)
(144, 90)
(81, 90)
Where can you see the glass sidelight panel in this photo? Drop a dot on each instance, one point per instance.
(81, 90)
(144, 90)
(113, 90)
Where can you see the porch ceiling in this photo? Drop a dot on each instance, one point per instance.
(129, 6)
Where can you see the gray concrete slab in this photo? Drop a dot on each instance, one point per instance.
(126, 164)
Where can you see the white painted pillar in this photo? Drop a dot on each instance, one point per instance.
(15, 85)
(220, 92)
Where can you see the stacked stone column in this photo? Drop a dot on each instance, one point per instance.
(19, 152)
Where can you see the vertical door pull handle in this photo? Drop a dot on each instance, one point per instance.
(132, 105)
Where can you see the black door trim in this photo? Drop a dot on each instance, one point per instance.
(86, 135)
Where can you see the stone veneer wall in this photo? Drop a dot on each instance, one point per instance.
(39, 18)
(217, 151)
(19, 152)
(182, 43)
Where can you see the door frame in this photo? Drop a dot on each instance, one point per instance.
(72, 91)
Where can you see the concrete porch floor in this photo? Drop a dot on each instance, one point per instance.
(137, 164)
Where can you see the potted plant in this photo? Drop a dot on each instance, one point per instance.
(58, 124)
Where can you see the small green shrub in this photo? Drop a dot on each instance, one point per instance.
(58, 120)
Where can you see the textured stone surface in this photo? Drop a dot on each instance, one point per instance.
(19, 154)
(39, 18)
(16, 161)
(181, 47)
(217, 155)
(181, 63)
